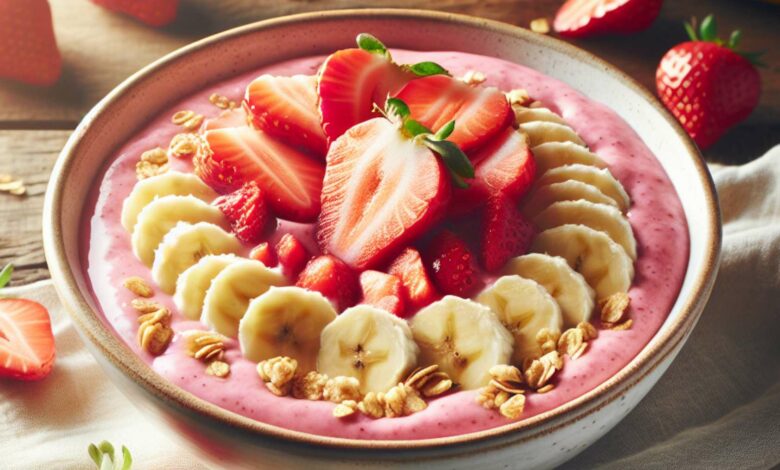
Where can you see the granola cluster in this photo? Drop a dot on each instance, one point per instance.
(189, 120)
(613, 312)
(152, 163)
(11, 185)
(154, 332)
(221, 102)
(185, 145)
(504, 392)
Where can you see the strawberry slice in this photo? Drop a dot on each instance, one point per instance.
(383, 291)
(332, 278)
(505, 167)
(292, 255)
(351, 81)
(505, 233)
(452, 265)
(227, 118)
(418, 288)
(246, 211)
(480, 113)
(291, 180)
(382, 189)
(26, 340)
(286, 107)
(580, 18)
(265, 254)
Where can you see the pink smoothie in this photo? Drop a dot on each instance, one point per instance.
(656, 217)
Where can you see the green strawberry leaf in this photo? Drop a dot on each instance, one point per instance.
(415, 128)
(105, 458)
(425, 69)
(369, 43)
(445, 131)
(452, 156)
(734, 39)
(691, 30)
(708, 30)
(5, 275)
(396, 106)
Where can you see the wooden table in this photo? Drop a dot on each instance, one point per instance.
(100, 49)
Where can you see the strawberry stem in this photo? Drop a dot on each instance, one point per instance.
(370, 43)
(708, 32)
(5, 275)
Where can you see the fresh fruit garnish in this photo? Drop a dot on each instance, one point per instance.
(385, 184)
(105, 458)
(505, 233)
(286, 107)
(265, 254)
(193, 284)
(246, 211)
(451, 265)
(28, 49)
(707, 84)
(418, 288)
(580, 18)
(351, 81)
(480, 112)
(504, 168)
(292, 255)
(332, 278)
(26, 340)
(228, 118)
(290, 179)
(152, 12)
(383, 291)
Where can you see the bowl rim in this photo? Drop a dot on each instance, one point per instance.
(120, 356)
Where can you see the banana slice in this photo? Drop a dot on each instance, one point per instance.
(599, 217)
(464, 338)
(370, 344)
(602, 262)
(285, 321)
(192, 284)
(184, 245)
(571, 190)
(555, 154)
(540, 132)
(598, 177)
(573, 294)
(228, 297)
(524, 307)
(160, 215)
(166, 184)
(523, 115)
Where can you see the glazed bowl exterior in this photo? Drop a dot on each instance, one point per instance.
(226, 439)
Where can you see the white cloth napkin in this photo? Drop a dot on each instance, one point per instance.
(718, 406)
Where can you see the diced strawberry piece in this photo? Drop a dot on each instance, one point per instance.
(479, 112)
(286, 107)
(290, 179)
(246, 211)
(452, 265)
(28, 49)
(383, 291)
(151, 12)
(580, 18)
(26, 340)
(381, 191)
(292, 255)
(332, 278)
(350, 82)
(418, 287)
(228, 118)
(505, 233)
(505, 167)
(264, 254)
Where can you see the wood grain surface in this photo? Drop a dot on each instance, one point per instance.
(101, 48)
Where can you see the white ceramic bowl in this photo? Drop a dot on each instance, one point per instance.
(227, 439)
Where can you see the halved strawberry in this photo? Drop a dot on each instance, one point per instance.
(26, 340)
(265, 254)
(383, 291)
(291, 180)
(580, 18)
(382, 189)
(479, 113)
(505, 233)
(351, 81)
(286, 107)
(246, 210)
(332, 278)
(505, 167)
(227, 118)
(418, 287)
(452, 265)
(292, 255)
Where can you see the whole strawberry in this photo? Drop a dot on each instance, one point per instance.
(28, 50)
(707, 84)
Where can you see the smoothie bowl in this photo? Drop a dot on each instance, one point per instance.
(479, 245)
